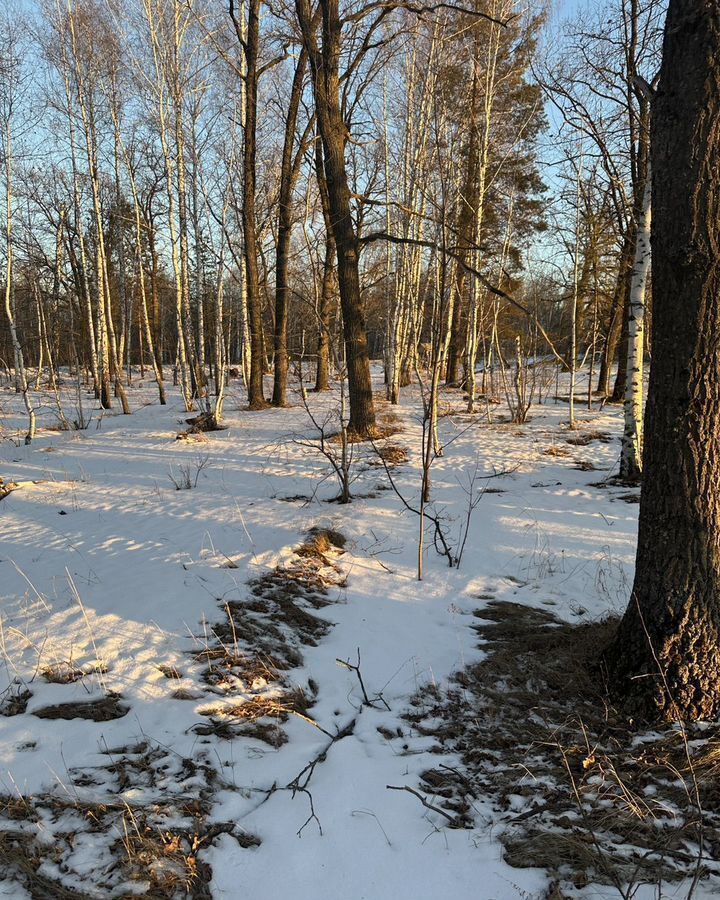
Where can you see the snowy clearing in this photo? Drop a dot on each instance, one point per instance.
(128, 601)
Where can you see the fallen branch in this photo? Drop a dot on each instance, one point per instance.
(299, 784)
(451, 819)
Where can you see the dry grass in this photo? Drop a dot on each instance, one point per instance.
(21, 858)
(258, 717)
(14, 700)
(66, 673)
(392, 455)
(170, 671)
(381, 431)
(262, 638)
(579, 791)
(156, 848)
(321, 542)
(584, 465)
(584, 438)
(556, 450)
(103, 710)
(184, 694)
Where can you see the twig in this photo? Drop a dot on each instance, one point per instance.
(356, 669)
(451, 819)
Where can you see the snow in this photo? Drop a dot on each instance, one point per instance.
(105, 566)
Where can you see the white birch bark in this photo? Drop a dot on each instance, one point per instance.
(20, 371)
(632, 440)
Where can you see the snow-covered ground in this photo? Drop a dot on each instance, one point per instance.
(108, 571)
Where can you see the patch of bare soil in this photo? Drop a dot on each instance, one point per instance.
(391, 455)
(583, 438)
(154, 850)
(253, 651)
(14, 699)
(103, 710)
(575, 789)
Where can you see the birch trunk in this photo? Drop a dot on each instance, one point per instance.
(20, 372)
(632, 440)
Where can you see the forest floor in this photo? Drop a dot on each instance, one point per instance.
(239, 688)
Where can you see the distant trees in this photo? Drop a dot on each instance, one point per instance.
(597, 80)
(233, 186)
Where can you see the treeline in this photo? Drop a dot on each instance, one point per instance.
(197, 187)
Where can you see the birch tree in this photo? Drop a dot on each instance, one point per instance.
(632, 439)
(12, 79)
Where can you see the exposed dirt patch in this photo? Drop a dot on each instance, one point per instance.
(66, 673)
(587, 437)
(261, 641)
(576, 789)
(102, 710)
(14, 700)
(154, 850)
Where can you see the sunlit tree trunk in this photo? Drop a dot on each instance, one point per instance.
(665, 659)
(325, 66)
(632, 440)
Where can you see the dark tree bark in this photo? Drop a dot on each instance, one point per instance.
(327, 292)
(325, 67)
(614, 328)
(251, 47)
(289, 170)
(618, 392)
(665, 660)
(466, 218)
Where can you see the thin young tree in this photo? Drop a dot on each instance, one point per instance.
(248, 34)
(289, 171)
(12, 78)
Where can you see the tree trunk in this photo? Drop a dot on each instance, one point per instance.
(665, 660)
(325, 63)
(327, 294)
(614, 327)
(631, 454)
(256, 398)
(288, 175)
(618, 392)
